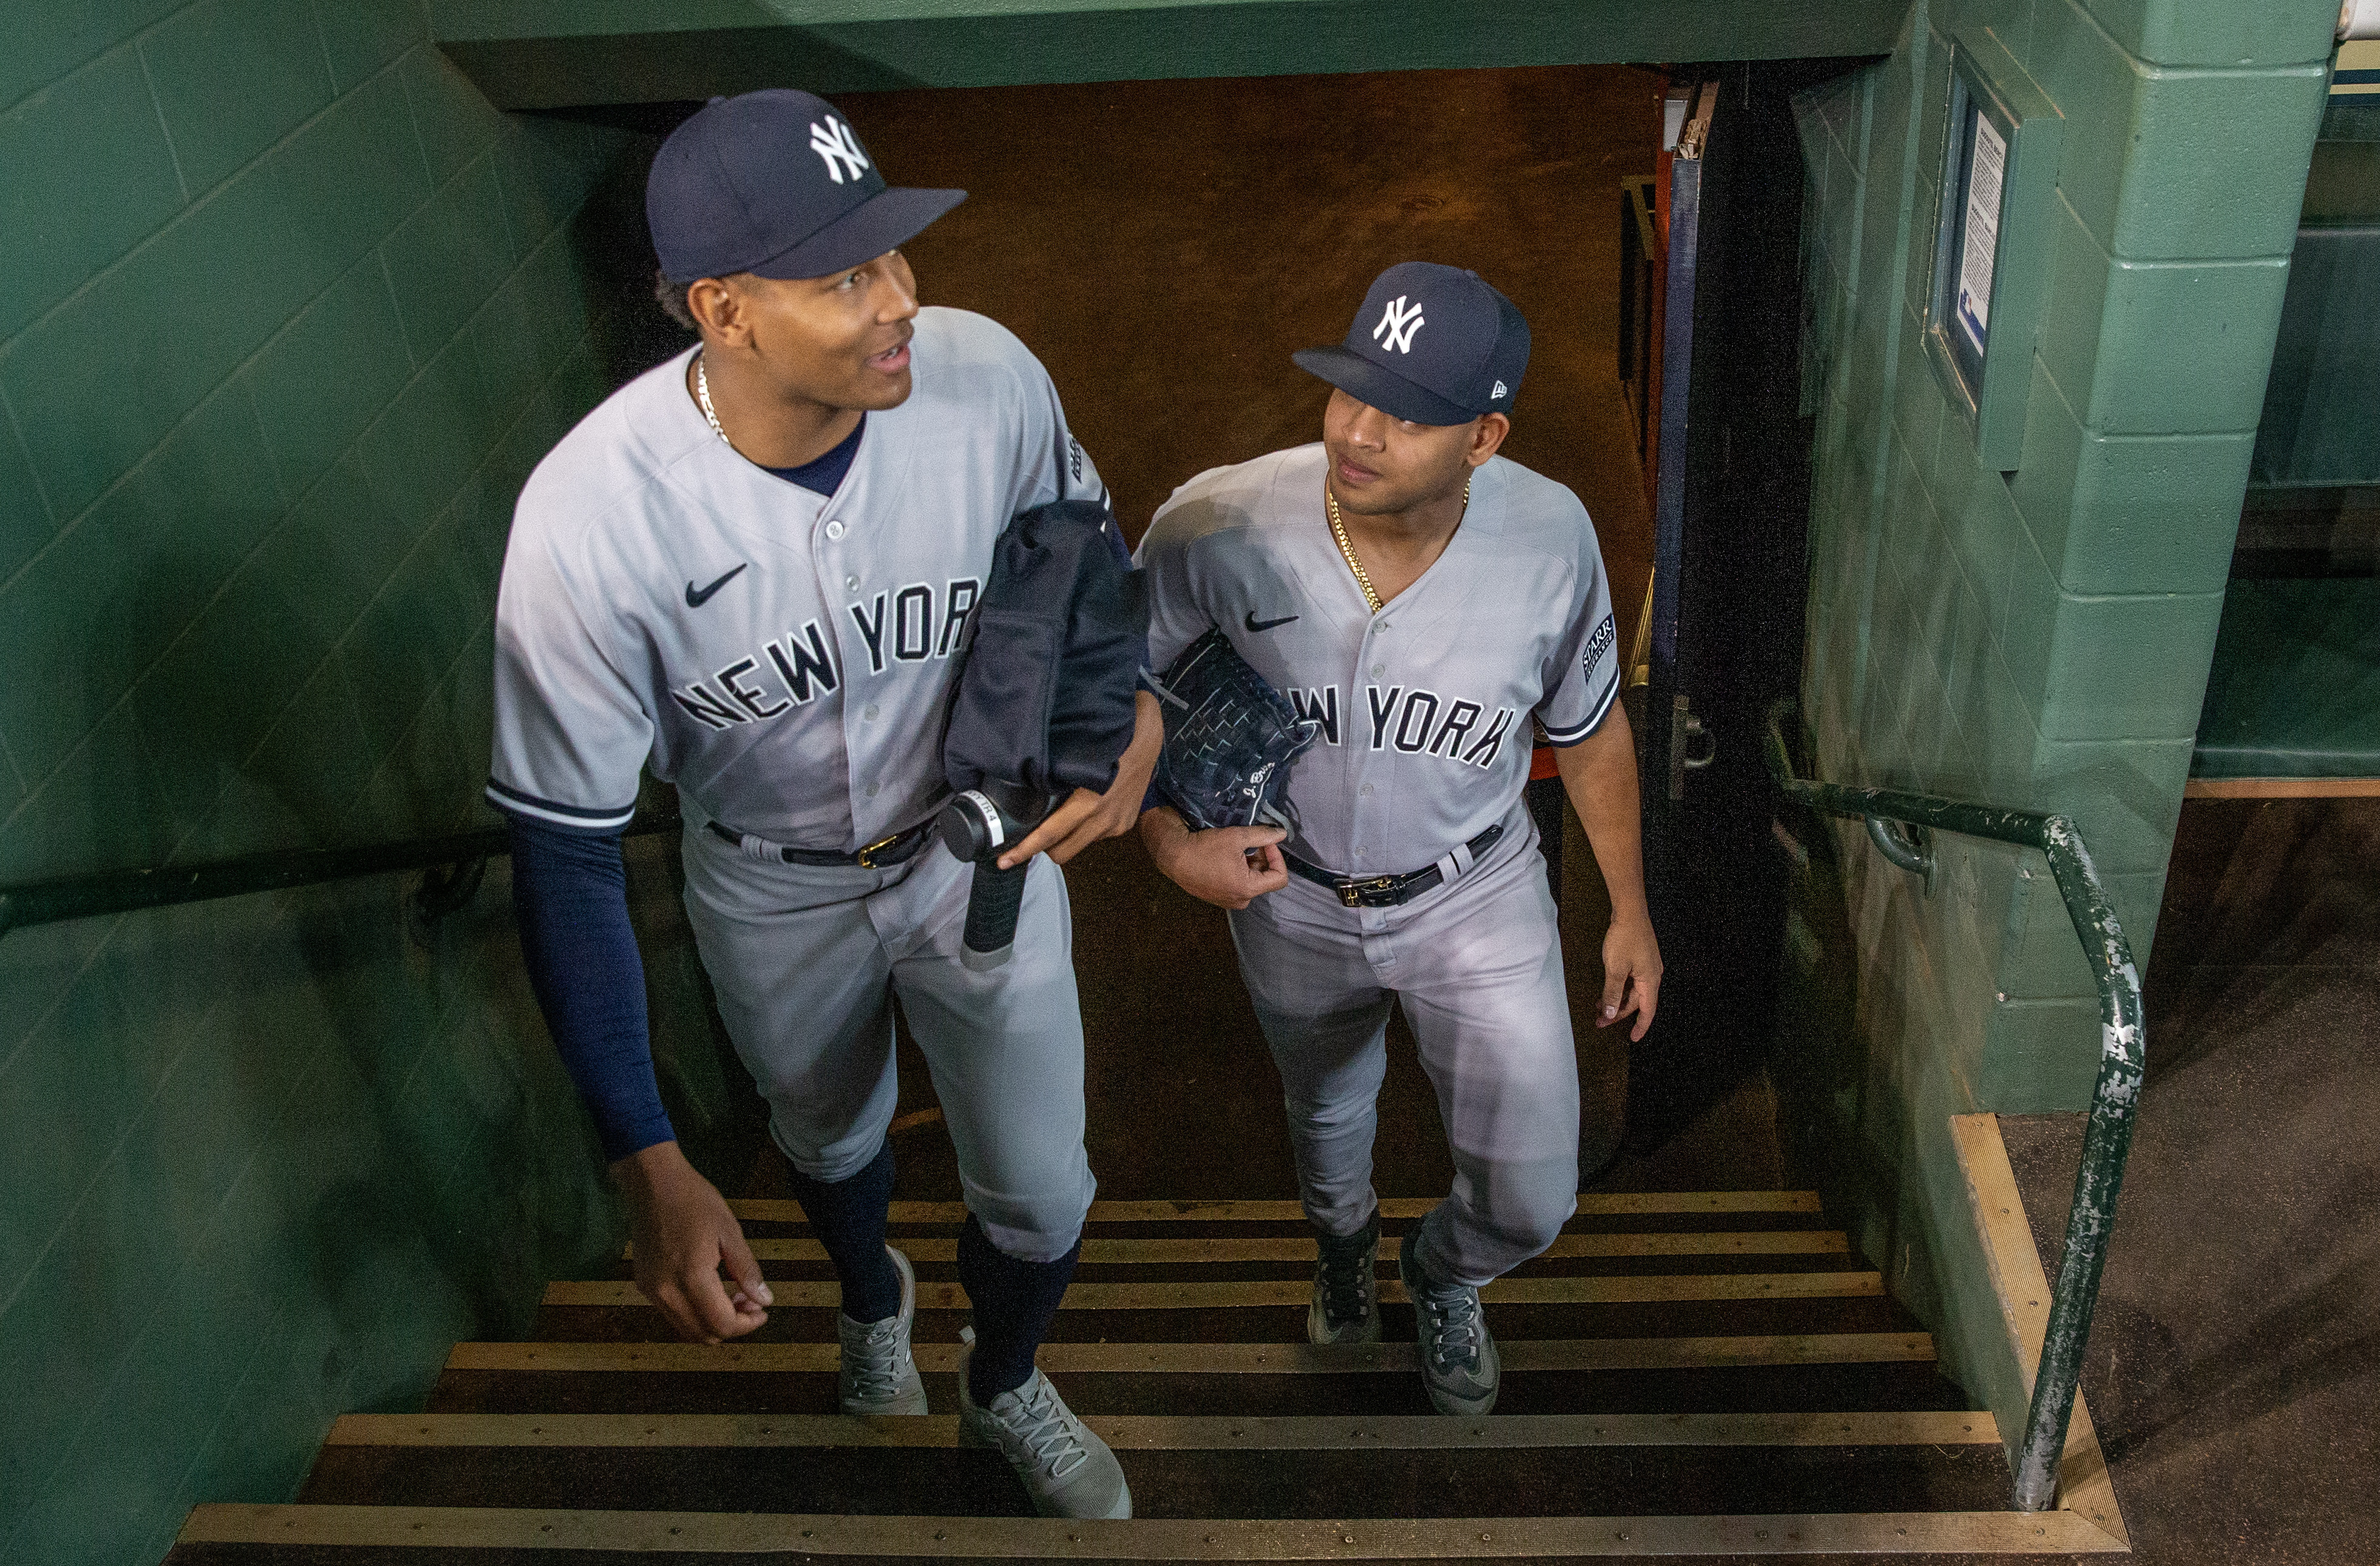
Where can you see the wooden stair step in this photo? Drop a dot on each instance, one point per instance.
(1520, 1356)
(953, 1481)
(1170, 1433)
(1581, 1290)
(1100, 1252)
(543, 1533)
(1591, 1204)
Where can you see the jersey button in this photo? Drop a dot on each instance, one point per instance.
(835, 530)
(1366, 791)
(872, 791)
(850, 583)
(1378, 669)
(868, 712)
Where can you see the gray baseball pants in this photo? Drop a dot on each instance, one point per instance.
(807, 960)
(1477, 966)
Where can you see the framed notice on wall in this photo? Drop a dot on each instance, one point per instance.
(1992, 239)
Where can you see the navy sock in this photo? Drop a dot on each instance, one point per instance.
(848, 1218)
(1012, 1302)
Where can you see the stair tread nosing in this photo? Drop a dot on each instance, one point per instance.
(1182, 1433)
(1591, 1288)
(1179, 1539)
(1270, 1359)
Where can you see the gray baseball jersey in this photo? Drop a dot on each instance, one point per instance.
(1425, 706)
(784, 658)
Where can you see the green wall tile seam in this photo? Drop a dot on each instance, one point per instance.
(378, 254)
(34, 792)
(2091, 433)
(68, 1445)
(2140, 65)
(15, 431)
(132, 687)
(24, 791)
(2079, 224)
(486, 155)
(193, 204)
(182, 1491)
(323, 45)
(134, 1123)
(246, 389)
(413, 115)
(238, 373)
(99, 51)
(437, 686)
(157, 104)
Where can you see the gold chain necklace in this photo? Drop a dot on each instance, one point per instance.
(1347, 548)
(702, 399)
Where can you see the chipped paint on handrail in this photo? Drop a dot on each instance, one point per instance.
(2115, 1098)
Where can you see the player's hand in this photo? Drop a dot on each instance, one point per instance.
(1631, 976)
(683, 1234)
(1086, 817)
(1229, 866)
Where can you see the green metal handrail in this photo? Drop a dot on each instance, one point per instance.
(119, 892)
(2107, 1141)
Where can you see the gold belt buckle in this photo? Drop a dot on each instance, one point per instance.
(867, 856)
(1351, 894)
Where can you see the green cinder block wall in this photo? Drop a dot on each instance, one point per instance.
(288, 311)
(2040, 637)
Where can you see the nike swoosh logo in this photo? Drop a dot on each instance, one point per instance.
(697, 597)
(1253, 624)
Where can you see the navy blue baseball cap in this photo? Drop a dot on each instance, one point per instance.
(775, 183)
(1433, 344)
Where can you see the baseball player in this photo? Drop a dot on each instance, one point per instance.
(1424, 600)
(748, 571)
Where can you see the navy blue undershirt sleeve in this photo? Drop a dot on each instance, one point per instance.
(570, 892)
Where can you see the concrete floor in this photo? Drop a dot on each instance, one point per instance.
(2235, 1361)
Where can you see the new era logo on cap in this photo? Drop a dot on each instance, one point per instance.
(1468, 363)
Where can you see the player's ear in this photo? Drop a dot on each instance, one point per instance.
(718, 309)
(1486, 436)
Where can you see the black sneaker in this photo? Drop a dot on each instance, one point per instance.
(1347, 1306)
(1458, 1354)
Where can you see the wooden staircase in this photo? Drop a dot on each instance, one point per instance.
(1690, 1373)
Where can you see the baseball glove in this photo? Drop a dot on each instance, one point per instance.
(1230, 738)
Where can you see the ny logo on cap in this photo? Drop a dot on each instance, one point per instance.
(1399, 321)
(837, 148)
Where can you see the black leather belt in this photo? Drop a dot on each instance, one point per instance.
(884, 851)
(1386, 891)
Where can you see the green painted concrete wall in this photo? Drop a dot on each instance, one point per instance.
(2037, 639)
(288, 311)
(538, 54)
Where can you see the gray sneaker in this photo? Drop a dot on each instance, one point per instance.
(1458, 1353)
(1347, 1306)
(877, 1375)
(1068, 1470)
